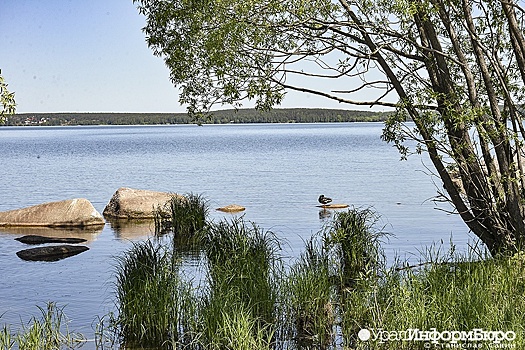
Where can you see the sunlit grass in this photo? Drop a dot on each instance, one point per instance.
(457, 295)
(354, 243)
(309, 296)
(49, 332)
(151, 296)
(243, 276)
(338, 286)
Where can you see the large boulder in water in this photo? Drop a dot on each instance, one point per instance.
(128, 203)
(78, 212)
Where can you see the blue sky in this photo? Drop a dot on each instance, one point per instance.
(89, 56)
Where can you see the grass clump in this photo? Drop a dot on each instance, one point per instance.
(345, 252)
(242, 282)
(49, 332)
(183, 216)
(355, 245)
(338, 286)
(152, 299)
(309, 296)
(458, 295)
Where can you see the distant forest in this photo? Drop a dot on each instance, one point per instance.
(295, 115)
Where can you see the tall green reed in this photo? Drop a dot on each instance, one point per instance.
(355, 245)
(310, 300)
(153, 301)
(243, 268)
(458, 294)
(183, 216)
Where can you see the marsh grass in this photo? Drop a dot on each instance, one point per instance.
(338, 286)
(355, 245)
(49, 332)
(183, 216)
(242, 276)
(309, 296)
(241, 331)
(152, 299)
(459, 295)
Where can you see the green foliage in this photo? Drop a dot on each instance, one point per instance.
(243, 271)
(240, 303)
(7, 101)
(458, 295)
(183, 216)
(310, 298)
(247, 300)
(50, 332)
(356, 246)
(152, 299)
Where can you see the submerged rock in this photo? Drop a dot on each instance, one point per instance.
(128, 203)
(34, 239)
(78, 212)
(232, 208)
(51, 253)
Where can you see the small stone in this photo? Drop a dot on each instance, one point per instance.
(232, 208)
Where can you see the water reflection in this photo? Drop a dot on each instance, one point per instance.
(128, 229)
(131, 229)
(87, 233)
(325, 215)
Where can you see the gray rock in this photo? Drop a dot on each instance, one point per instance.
(128, 203)
(77, 212)
(51, 253)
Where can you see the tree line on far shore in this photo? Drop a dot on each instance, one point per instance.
(295, 115)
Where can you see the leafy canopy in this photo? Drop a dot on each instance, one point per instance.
(455, 68)
(7, 101)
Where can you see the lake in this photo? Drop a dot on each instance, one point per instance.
(276, 171)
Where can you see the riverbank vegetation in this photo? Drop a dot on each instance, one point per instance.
(339, 293)
(49, 332)
(291, 115)
(455, 70)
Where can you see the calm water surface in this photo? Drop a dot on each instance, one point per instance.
(276, 171)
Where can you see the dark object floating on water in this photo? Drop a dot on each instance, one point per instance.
(324, 200)
(35, 239)
(51, 253)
